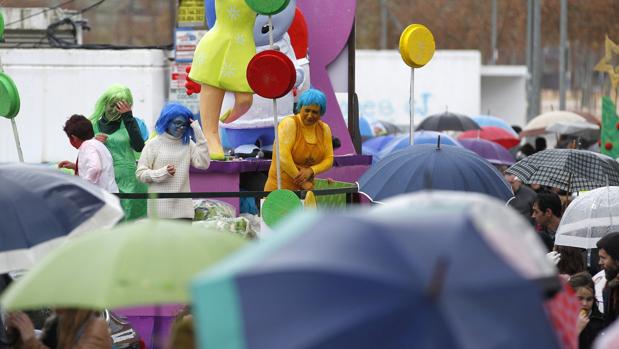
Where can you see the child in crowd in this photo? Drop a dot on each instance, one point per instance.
(590, 321)
(94, 162)
(164, 164)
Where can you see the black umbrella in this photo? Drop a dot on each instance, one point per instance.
(448, 121)
(567, 169)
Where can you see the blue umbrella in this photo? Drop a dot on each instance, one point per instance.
(425, 166)
(42, 206)
(421, 137)
(365, 128)
(353, 281)
(487, 120)
(374, 145)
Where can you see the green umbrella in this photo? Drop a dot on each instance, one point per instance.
(143, 263)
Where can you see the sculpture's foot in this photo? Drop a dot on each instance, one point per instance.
(215, 149)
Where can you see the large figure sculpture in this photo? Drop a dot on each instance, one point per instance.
(219, 65)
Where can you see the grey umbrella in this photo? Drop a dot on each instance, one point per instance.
(567, 169)
(448, 122)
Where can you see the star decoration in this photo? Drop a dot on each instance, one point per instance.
(605, 64)
(234, 13)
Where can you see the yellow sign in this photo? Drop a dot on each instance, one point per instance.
(605, 65)
(417, 45)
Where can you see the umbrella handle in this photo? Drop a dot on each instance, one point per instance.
(20, 154)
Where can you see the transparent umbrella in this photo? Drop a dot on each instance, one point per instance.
(589, 217)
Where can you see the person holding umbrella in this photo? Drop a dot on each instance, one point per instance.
(68, 328)
(547, 216)
(609, 261)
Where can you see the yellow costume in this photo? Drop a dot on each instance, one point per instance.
(300, 146)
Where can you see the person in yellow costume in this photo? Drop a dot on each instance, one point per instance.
(219, 65)
(306, 148)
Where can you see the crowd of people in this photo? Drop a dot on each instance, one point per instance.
(592, 274)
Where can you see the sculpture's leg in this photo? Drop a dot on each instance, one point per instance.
(210, 108)
(242, 103)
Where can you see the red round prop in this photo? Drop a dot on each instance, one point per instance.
(617, 126)
(608, 146)
(271, 74)
(299, 35)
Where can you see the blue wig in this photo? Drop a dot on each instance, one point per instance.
(169, 113)
(312, 97)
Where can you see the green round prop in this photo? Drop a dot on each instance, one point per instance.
(1, 26)
(267, 7)
(9, 97)
(278, 205)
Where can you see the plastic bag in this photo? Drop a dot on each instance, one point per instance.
(239, 225)
(205, 209)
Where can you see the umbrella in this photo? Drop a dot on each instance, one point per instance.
(487, 120)
(505, 231)
(493, 152)
(576, 128)
(447, 121)
(353, 281)
(589, 217)
(140, 263)
(41, 207)
(492, 134)
(567, 169)
(365, 129)
(385, 128)
(373, 145)
(421, 137)
(539, 124)
(425, 166)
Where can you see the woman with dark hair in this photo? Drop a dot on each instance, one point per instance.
(67, 329)
(164, 164)
(590, 320)
(572, 260)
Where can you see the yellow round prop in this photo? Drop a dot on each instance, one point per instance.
(417, 45)
(310, 200)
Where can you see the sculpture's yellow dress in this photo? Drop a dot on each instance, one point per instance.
(222, 55)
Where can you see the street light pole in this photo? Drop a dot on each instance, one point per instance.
(493, 39)
(562, 53)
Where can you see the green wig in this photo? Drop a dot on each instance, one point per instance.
(106, 105)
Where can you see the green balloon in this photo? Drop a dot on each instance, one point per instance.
(267, 7)
(9, 97)
(278, 205)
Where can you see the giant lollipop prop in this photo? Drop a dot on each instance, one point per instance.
(417, 47)
(9, 98)
(270, 73)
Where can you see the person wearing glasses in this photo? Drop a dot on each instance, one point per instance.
(164, 164)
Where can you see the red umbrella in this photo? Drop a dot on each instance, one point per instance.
(493, 134)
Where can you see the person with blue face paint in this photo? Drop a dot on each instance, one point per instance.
(164, 164)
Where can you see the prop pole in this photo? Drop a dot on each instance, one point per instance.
(17, 144)
(275, 118)
(412, 108)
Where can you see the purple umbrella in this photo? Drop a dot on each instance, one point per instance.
(493, 152)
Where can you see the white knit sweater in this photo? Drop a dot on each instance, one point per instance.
(164, 150)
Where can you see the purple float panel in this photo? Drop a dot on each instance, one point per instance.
(329, 24)
(151, 323)
(224, 176)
